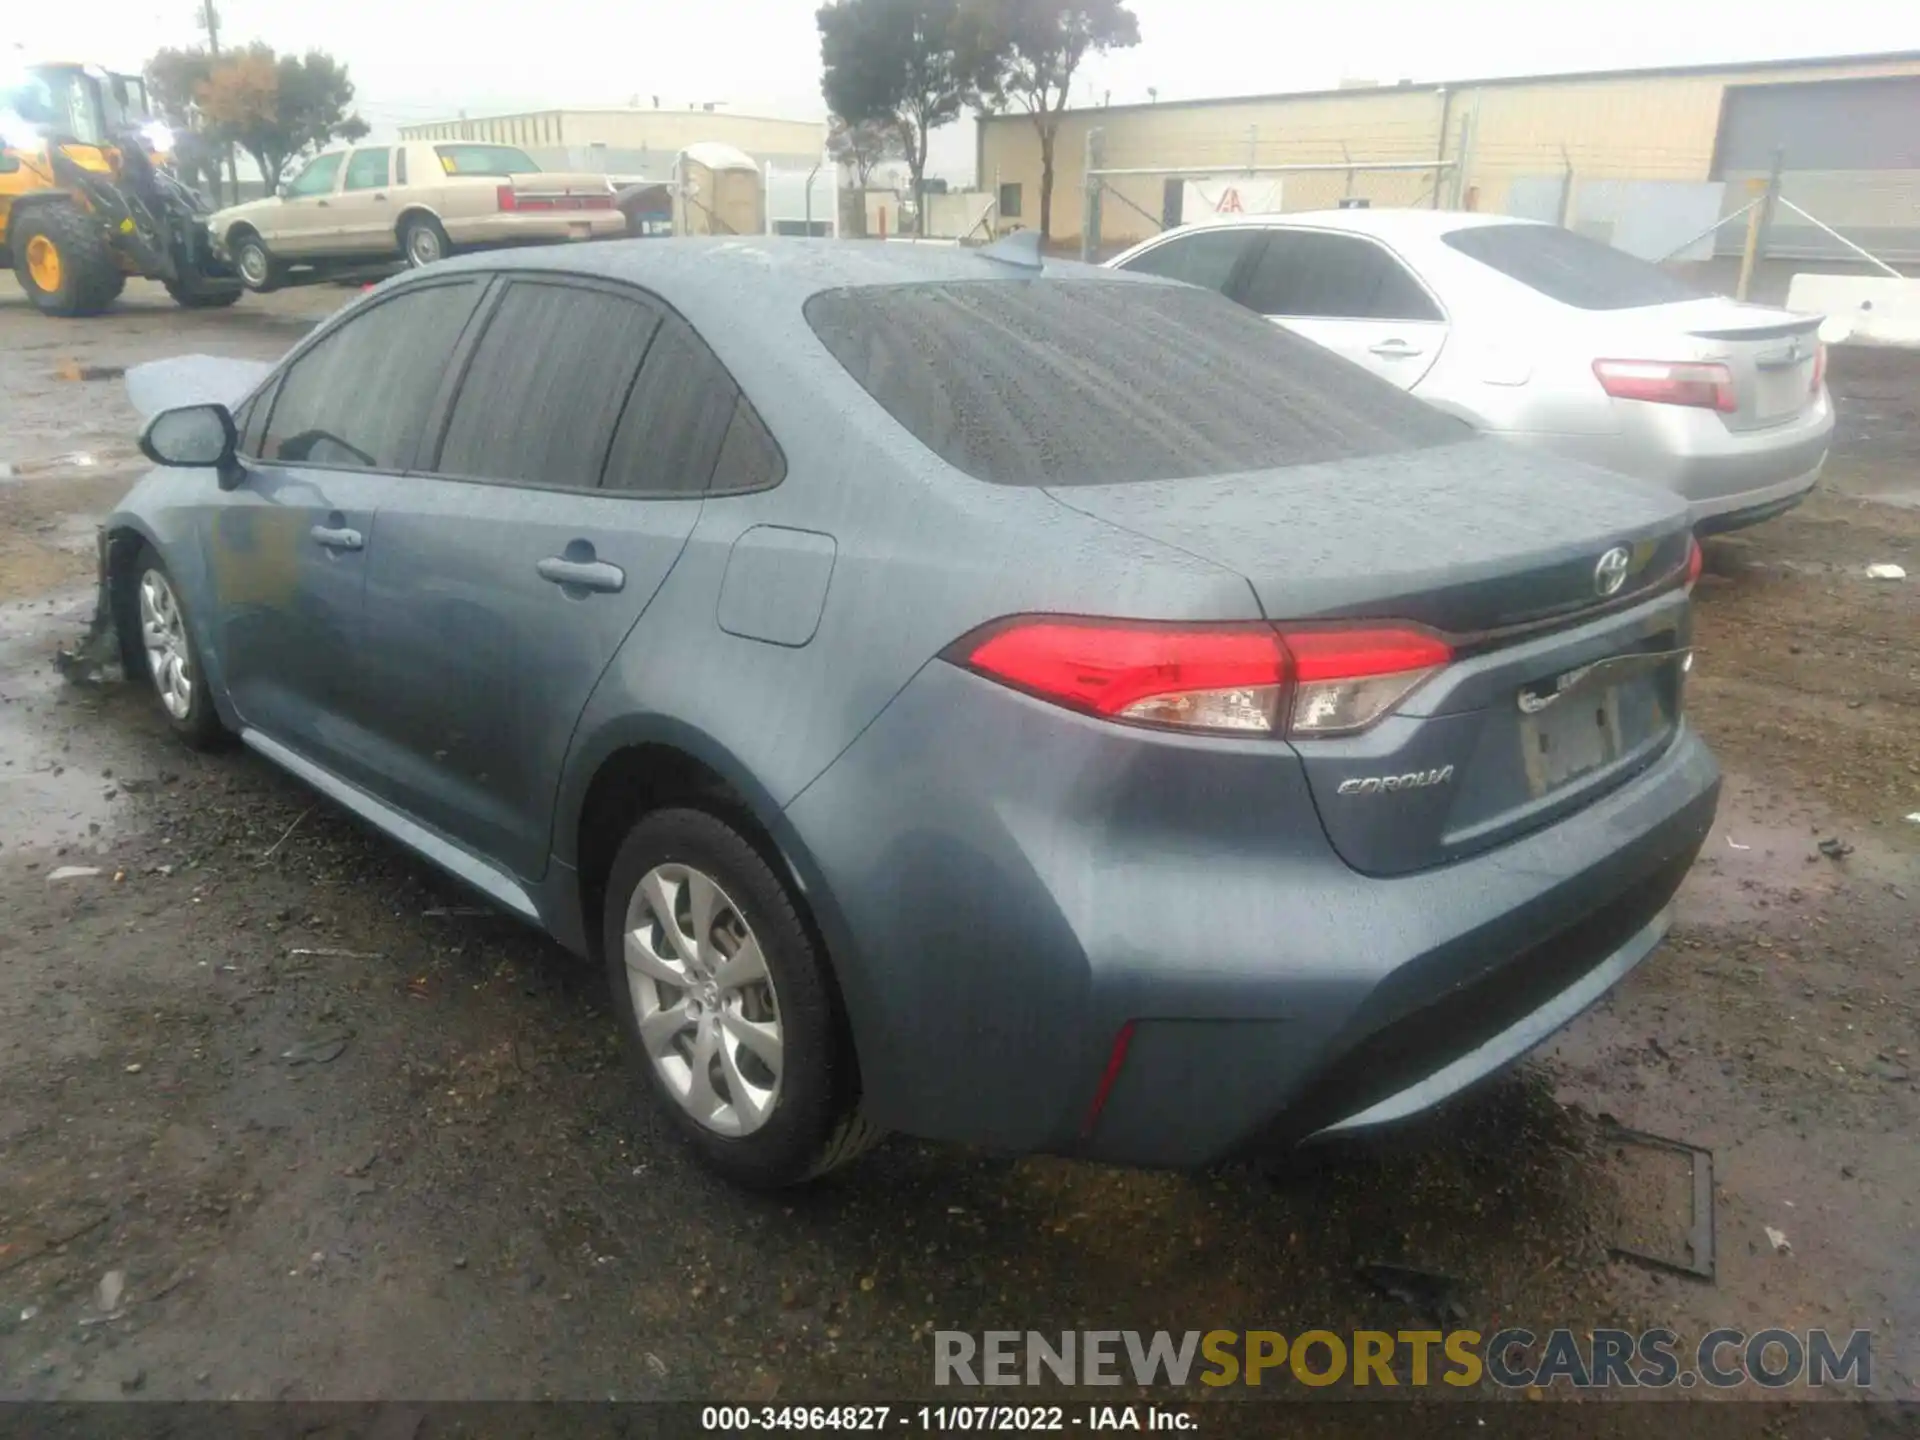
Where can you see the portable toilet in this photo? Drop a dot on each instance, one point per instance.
(718, 190)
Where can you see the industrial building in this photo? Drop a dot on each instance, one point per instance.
(1636, 157)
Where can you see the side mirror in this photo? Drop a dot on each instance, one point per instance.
(196, 437)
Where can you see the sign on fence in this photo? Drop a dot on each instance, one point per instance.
(1224, 196)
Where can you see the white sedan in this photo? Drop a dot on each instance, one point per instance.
(1544, 337)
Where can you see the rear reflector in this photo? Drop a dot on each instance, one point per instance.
(1819, 368)
(1116, 1062)
(1704, 384)
(1227, 679)
(504, 198)
(1696, 562)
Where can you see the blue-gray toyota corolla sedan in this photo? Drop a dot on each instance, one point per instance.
(1038, 707)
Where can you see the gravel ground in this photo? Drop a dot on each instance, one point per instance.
(342, 1135)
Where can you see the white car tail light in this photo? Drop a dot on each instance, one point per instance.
(1225, 679)
(1706, 384)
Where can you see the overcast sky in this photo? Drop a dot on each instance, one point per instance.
(425, 59)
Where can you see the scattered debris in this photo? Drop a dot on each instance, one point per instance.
(285, 834)
(329, 953)
(656, 1365)
(74, 370)
(442, 912)
(1700, 1264)
(1433, 1295)
(1734, 844)
(72, 872)
(1914, 818)
(134, 1068)
(1778, 1239)
(321, 1050)
(28, 1312)
(111, 1291)
(1885, 572)
(1834, 848)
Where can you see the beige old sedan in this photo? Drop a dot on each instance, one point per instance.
(418, 201)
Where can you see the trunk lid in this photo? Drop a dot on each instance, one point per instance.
(1770, 353)
(1560, 689)
(560, 190)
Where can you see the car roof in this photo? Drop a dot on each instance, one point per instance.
(713, 275)
(1385, 223)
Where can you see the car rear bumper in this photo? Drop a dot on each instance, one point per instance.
(1719, 472)
(542, 227)
(1011, 888)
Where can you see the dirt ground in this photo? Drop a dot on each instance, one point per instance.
(343, 1135)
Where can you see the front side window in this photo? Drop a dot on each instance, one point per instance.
(359, 398)
(317, 178)
(367, 170)
(1312, 274)
(1205, 258)
(548, 379)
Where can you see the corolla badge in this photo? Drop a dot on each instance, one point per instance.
(1389, 784)
(1611, 573)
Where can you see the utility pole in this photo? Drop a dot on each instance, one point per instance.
(210, 21)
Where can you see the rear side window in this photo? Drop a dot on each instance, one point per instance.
(545, 386)
(1085, 382)
(1205, 258)
(1312, 274)
(749, 459)
(366, 170)
(359, 398)
(1571, 268)
(677, 418)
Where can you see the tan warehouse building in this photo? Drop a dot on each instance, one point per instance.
(1568, 147)
(634, 143)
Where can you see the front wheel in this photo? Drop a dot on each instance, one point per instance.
(204, 295)
(173, 660)
(258, 270)
(725, 996)
(63, 261)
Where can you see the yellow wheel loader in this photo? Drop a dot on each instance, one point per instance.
(87, 199)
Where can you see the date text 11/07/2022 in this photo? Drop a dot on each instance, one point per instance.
(944, 1419)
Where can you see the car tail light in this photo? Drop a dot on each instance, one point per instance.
(504, 198)
(1696, 562)
(1347, 678)
(1819, 368)
(1230, 679)
(1706, 384)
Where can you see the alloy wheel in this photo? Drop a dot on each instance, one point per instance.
(254, 265)
(423, 246)
(163, 631)
(709, 1018)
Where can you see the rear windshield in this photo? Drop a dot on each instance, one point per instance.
(1087, 382)
(484, 160)
(1571, 268)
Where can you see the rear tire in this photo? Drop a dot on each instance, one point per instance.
(254, 262)
(423, 241)
(63, 261)
(712, 1022)
(155, 618)
(204, 296)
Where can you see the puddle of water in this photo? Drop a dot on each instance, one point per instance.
(49, 795)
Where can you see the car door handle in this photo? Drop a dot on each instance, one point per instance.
(582, 574)
(380, 195)
(337, 539)
(323, 204)
(1394, 350)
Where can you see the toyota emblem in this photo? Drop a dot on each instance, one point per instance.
(1611, 573)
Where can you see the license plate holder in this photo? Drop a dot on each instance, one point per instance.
(1574, 736)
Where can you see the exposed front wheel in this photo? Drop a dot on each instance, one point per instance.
(173, 661)
(258, 270)
(725, 996)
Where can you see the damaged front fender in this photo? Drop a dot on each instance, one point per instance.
(100, 656)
